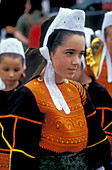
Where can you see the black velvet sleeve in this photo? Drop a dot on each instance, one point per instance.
(99, 95)
(23, 107)
(98, 145)
(23, 104)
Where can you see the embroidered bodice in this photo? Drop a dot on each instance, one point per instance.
(61, 132)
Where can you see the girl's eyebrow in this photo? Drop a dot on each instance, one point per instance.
(74, 50)
(70, 50)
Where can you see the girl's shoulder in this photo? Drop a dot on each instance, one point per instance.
(76, 84)
(34, 82)
(81, 90)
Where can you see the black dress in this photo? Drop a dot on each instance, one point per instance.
(25, 133)
(103, 102)
(4, 97)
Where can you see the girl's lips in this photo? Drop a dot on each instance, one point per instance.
(72, 70)
(10, 81)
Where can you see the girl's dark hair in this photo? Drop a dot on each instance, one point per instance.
(44, 28)
(58, 38)
(105, 33)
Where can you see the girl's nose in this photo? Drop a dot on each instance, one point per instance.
(76, 59)
(11, 73)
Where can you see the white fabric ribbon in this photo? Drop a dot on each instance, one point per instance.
(101, 168)
(105, 53)
(2, 85)
(83, 62)
(88, 33)
(49, 79)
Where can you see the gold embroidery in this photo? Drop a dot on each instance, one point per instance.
(40, 79)
(68, 90)
(35, 83)
(89, 58)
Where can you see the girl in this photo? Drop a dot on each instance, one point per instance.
(102, 45)
(12, 63)
(56, 118)
(98, 94)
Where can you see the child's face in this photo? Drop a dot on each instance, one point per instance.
(10, 70)
(67, 58)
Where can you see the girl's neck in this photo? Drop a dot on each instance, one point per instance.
(85, 78)
(58, 79)
(9, 88)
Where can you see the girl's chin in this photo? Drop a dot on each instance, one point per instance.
(70, 77)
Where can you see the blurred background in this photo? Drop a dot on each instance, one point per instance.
(94, 9)
(11, 10)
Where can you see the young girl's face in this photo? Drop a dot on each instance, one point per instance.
(67, 58)
(10, 71)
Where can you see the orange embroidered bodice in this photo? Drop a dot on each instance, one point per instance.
(61, 132)
(103, 78)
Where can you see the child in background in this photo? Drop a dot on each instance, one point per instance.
(102, 53)
(12, 64)
(99, 95)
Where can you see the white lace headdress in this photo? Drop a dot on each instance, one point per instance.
(11, 45)
(69, 20)
(105, 52)
(88, 33)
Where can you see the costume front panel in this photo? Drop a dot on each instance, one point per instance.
(61, 132)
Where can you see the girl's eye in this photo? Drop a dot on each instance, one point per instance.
(6, 69)
(69, 52)
(17, 69)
